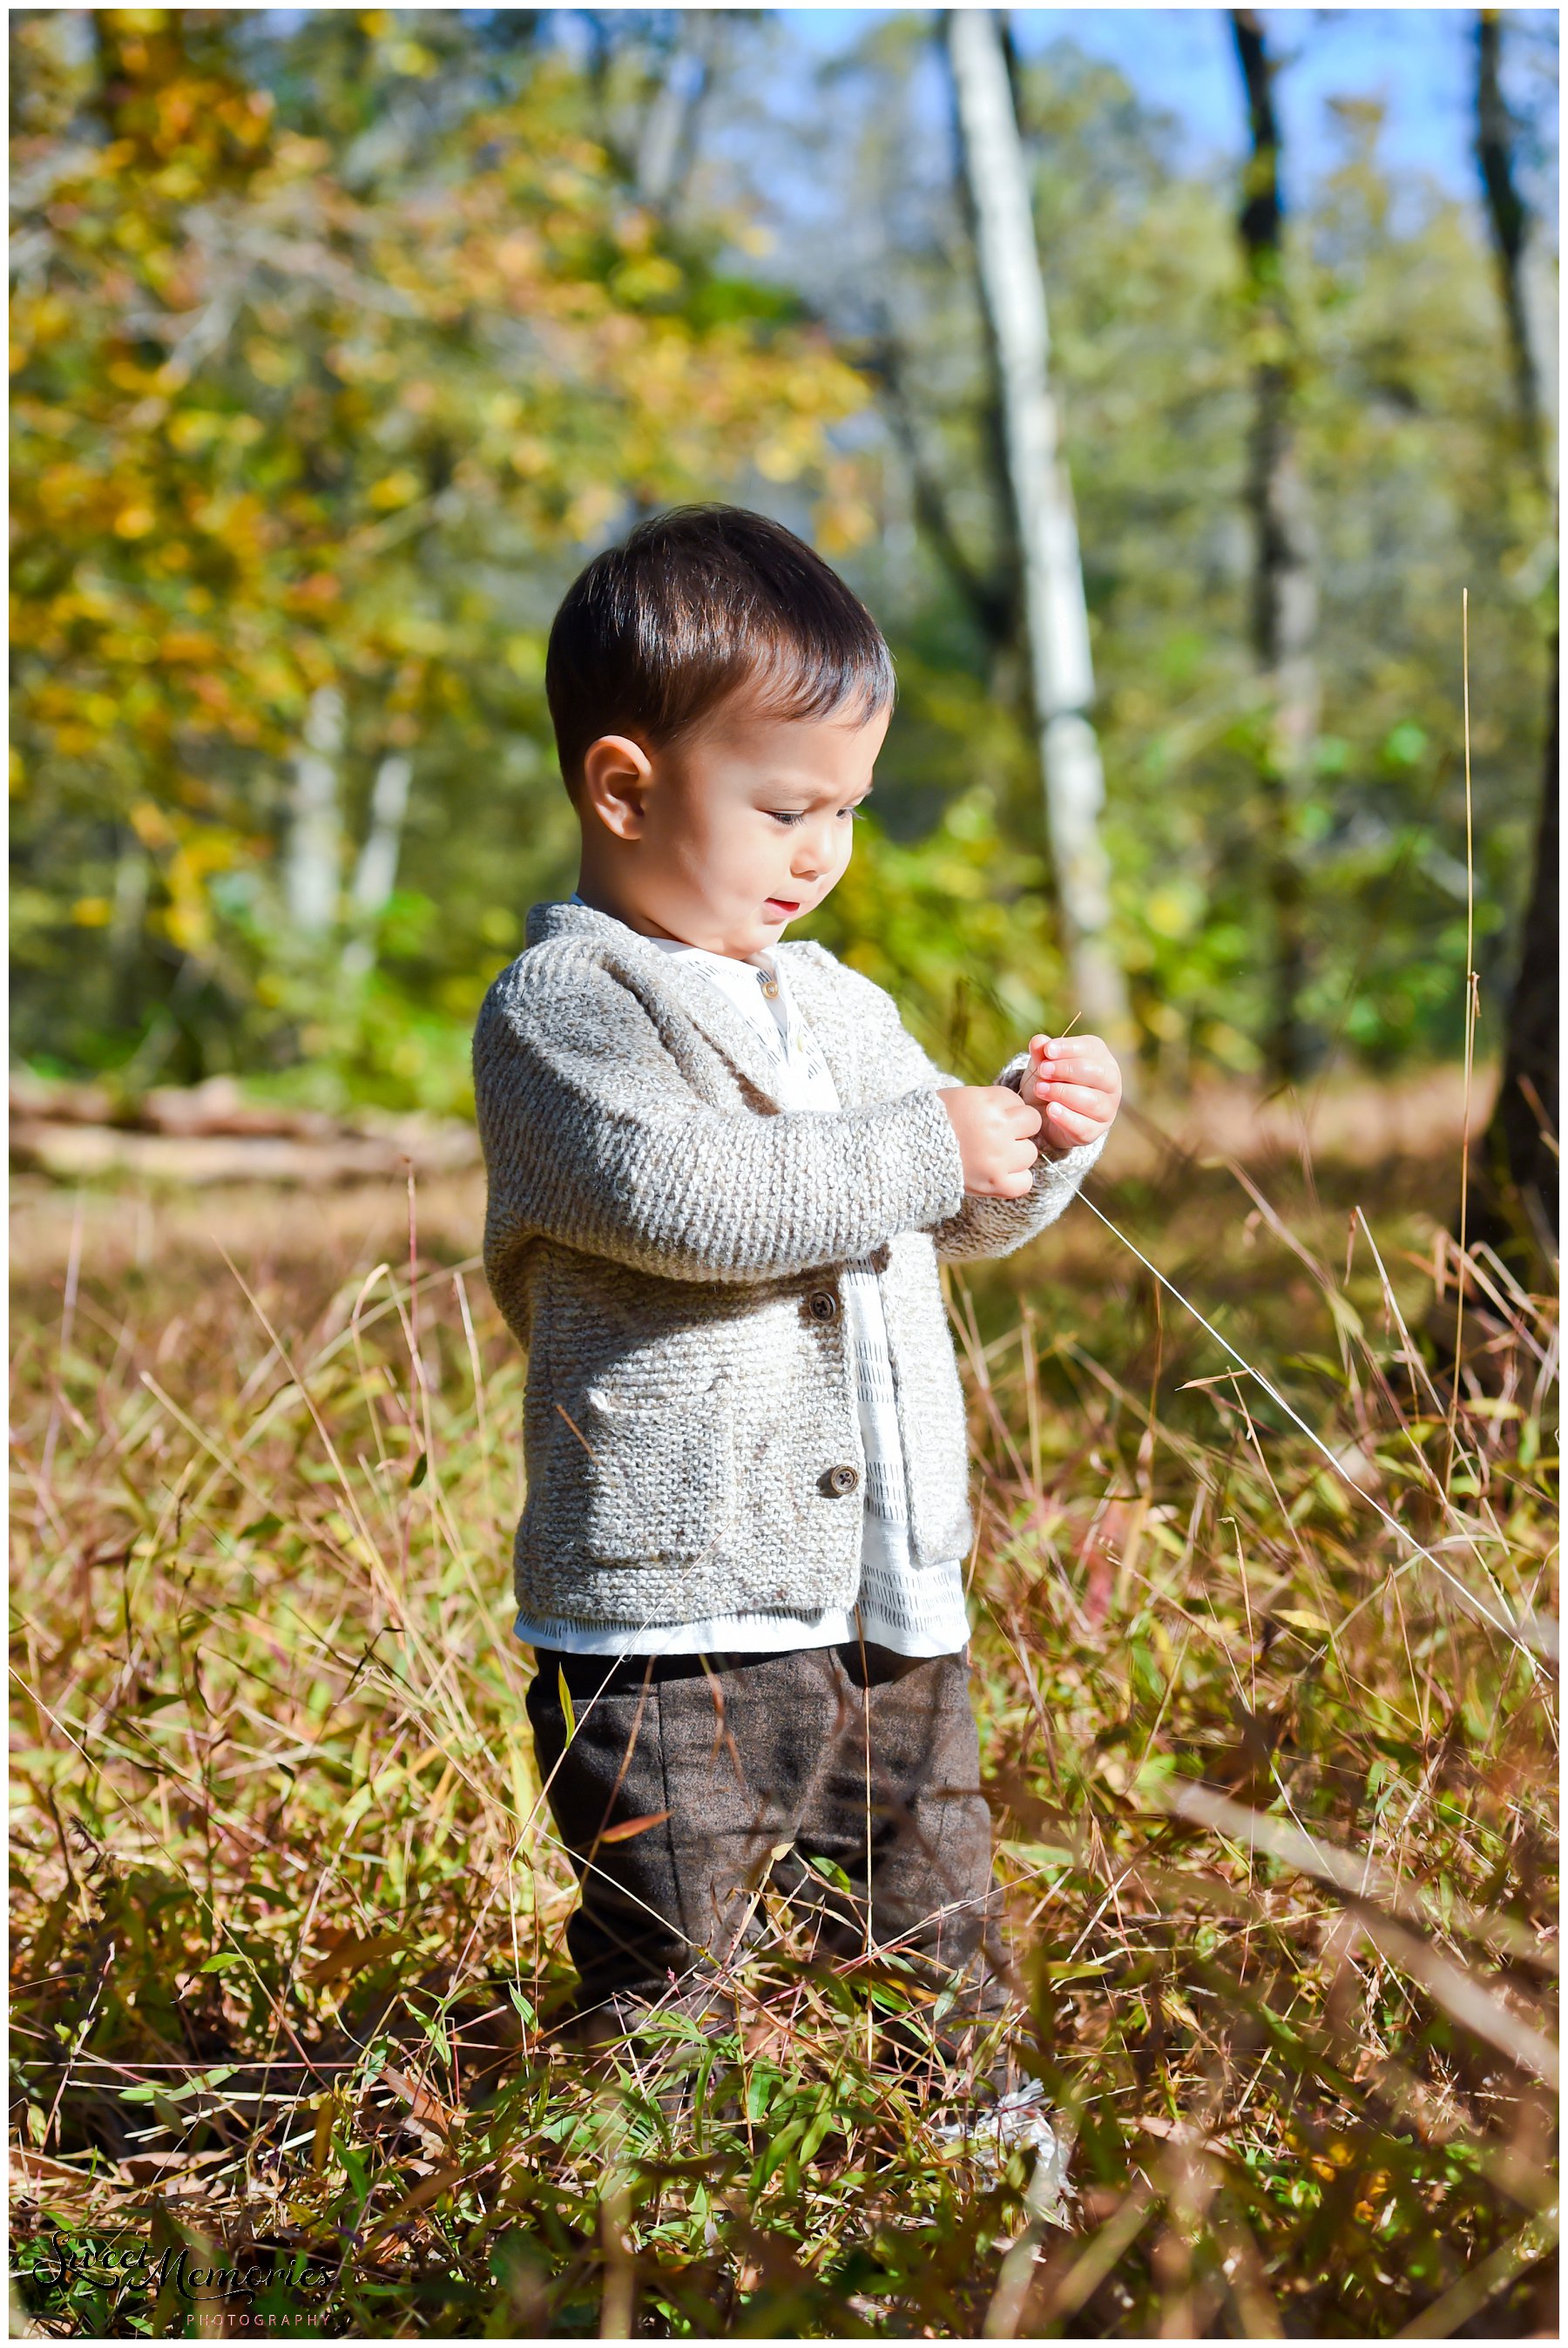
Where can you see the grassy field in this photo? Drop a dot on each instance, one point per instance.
(1270, 1736)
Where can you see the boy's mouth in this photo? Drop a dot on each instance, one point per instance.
(782, 908)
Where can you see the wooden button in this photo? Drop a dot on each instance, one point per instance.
(822, 1304)
(842, 1480)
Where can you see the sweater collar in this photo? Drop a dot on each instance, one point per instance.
(723, 1024)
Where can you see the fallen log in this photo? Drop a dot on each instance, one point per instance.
(216, 1106)
(82, 1153)
(211, 1133)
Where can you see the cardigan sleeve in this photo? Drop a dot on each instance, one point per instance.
(593, 1136)
(989, 1227)
(979, 1226)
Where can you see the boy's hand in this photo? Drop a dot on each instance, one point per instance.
(1076, 1085)
(993, 1124)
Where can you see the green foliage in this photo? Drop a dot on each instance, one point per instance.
(1418, 490)
(286, 421)
(340, 339)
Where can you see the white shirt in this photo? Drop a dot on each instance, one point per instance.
(915, 1610)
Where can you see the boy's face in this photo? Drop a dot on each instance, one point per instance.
(732, 833)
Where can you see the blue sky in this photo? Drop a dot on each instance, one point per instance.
(1418, 61)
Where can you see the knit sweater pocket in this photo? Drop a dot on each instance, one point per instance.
(661, 1483)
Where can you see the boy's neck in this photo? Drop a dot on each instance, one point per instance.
(600, 900)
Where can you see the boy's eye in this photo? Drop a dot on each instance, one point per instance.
(789, 817)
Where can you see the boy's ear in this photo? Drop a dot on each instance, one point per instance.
(616, 773)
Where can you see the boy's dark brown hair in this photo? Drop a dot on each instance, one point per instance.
(695, 604)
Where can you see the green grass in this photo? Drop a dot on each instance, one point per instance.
(1275, 1801)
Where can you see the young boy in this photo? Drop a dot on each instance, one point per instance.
(722, 1178)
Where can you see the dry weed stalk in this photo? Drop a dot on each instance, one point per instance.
(1258, 1662)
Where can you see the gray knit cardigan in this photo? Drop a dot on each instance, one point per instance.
(666, 1244)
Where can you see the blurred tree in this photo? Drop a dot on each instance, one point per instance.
(1514, 1205)
(652, 71)
(340, 255)
(1523, 263)
(1285, 592)
(1044, 523)
(312, 420)
(1401, 420)
(1515, 1202)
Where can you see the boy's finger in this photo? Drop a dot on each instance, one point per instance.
(1015, 1182)
(1066, 1124)
(1069, 1074)
(1084, 1097)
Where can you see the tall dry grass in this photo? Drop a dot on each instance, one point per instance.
(1270, 1737)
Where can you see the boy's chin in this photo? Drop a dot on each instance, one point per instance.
(759, 929)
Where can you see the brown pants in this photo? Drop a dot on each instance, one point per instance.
(747, 1768)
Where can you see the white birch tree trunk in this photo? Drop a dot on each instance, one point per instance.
(668, 123)
(376, 874)
(315, 872)
(666, 146)
(1055, 614)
